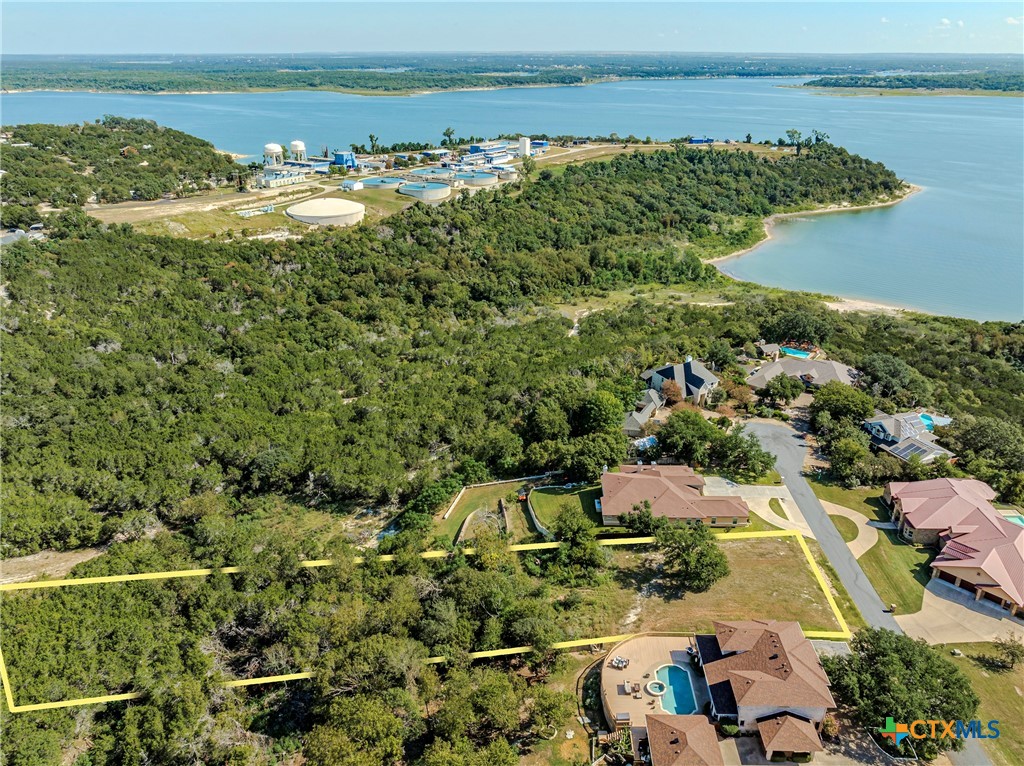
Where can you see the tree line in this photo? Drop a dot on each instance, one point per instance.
(111, 160)
(994, 81)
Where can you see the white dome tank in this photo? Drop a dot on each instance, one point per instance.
(272, 149)
(298, 150)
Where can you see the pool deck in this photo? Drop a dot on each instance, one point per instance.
(645, 654)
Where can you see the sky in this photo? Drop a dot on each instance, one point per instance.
(825, 26)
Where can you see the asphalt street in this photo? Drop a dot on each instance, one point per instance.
(789, 448)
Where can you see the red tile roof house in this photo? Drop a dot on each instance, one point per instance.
(674, 491)
(924, 509)
(765, 677)
(979, 550)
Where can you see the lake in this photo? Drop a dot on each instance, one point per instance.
(956, 248)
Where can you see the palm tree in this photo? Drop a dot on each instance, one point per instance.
(373, 144)
(449, 137)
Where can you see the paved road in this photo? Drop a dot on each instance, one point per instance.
(789, 448)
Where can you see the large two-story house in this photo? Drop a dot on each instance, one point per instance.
(765, 677)
(695, 381)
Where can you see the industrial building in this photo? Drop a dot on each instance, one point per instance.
(352, 185)
(328, 211)
(345, 159)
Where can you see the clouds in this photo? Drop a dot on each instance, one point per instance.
(1015, 21)
(884, 20)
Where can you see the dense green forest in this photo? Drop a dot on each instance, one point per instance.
(111, 160)
(384, 73)
(200, 388)
(142, 370)
(994, 81)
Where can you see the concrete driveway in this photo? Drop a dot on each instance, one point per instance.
(757, 498)
(867, 530)
(950, 615)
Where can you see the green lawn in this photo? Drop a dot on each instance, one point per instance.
(474, 498)
(1002, 698)
(865, 500)
(847, 527)
(898, 571)
(776, 505)
(547, 501)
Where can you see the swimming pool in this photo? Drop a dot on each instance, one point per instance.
(678, 698)
(1016, 519)
(796, 352)
(928, 422)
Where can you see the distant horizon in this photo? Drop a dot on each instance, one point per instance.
(468, 52)
(234, 28)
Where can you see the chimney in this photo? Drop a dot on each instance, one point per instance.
(689, 358)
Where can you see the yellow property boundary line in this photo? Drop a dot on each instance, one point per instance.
(842, 634)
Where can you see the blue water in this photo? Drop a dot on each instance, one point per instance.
(1016, 519)
(678, 698)
(796, 352)
(928, 422)
(955, 248)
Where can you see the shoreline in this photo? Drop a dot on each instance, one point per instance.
(840, 303)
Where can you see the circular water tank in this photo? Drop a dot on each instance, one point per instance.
(297, 147)
(328, 211)
(477, 178)
(428, 192)
(272, 149)
(433, 173)
(383, 182)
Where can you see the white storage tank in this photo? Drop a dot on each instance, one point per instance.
(428, 191)
(328, 211)
(272, 154)
(524, 146)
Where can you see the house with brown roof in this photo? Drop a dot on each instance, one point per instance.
(675, 492)
(682, 740)
(980, 550)
(765, 677)
(811, 372)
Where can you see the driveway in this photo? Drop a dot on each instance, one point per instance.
(867, 529)
(757, 498)
(950, 615)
